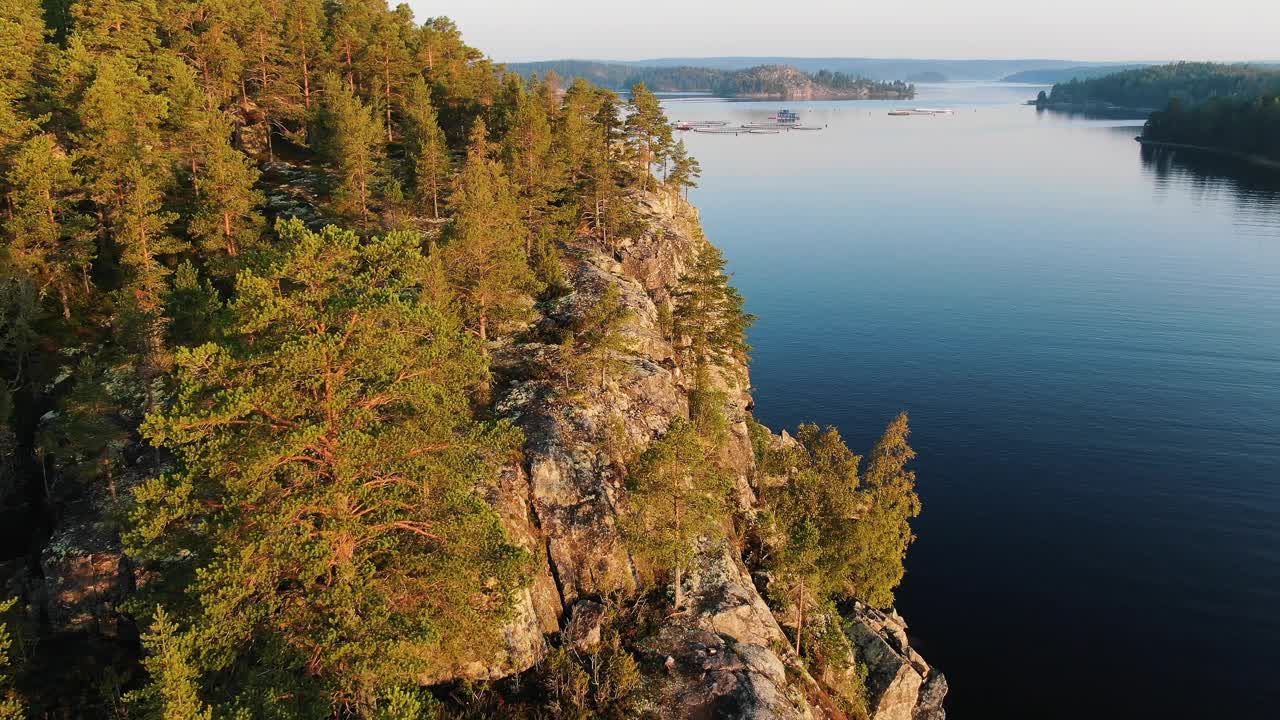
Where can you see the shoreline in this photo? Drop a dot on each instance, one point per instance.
(1255, 160)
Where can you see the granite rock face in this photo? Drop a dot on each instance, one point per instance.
(900, 684)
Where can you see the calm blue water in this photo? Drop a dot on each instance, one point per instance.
(1088, 342)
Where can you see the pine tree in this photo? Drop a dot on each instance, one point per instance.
(174, 693)
(485, 250)
(531, 165)
(302, 40)
(127, 29)
(351, 25)
(883, 532)
(127, 166)
(426, 155)
(224, 220)
(50, 241)
(11, 706)
(390, 62)
(352, 143)
(678, 495)
(22, 49)
(685, 169)
(328, 483)
(203, 33)
(596, 341)
(648, 132)
(576, 131)
(710, 325)
(813, 514)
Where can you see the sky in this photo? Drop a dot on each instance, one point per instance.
(515, 30)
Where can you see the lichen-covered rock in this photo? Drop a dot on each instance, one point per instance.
(932, 693)
(582, 632)
(86, 574)
(900, 684)
(726, 601)
(710, 675)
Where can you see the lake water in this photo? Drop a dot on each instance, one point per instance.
(1087, 338)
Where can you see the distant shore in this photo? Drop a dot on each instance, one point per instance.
(1256, 160)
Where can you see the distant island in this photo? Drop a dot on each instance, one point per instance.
(908, 69)
(1143, 91)
(763, 82)
(1228, 109)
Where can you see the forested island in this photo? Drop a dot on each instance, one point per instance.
(1231, 109)
(1248, 128)
(351, 376)
(1145, 90)
(771, 81)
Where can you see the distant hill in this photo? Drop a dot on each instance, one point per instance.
(1059, 75)
(762, 81)
(879, 68)
(928, 76)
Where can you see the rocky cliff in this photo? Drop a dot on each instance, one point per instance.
(727, 656)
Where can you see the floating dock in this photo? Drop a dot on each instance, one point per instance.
(783, 121)
(921, 111)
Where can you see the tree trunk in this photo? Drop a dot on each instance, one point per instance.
(306, 74)
(799, 618)
(679, 589)
(226, 233)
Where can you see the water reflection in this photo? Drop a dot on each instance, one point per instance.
(1254, 192)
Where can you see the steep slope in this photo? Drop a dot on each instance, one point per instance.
(727, 655)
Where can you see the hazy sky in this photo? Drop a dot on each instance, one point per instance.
(511, 30)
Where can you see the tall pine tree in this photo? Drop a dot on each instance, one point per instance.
(485, 251)
(327, 484)
(352, 142)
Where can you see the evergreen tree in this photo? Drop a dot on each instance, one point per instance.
(351, 24)
(224, 221)
(426, 155)
(11, 706)
(50, 241)
(596, 340)
(813, 513)
(327, 484)
(22, 49)
(883, 533)
(174, 693)
(302, 39)
(710, 325)
(576, 132)
(352, 143)
(685, 169)
(678, 496)
(531, 165)
(127, 166)
(203, 33)
(648, 132)
(390, 63)
(128, 29)
(485, 250)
